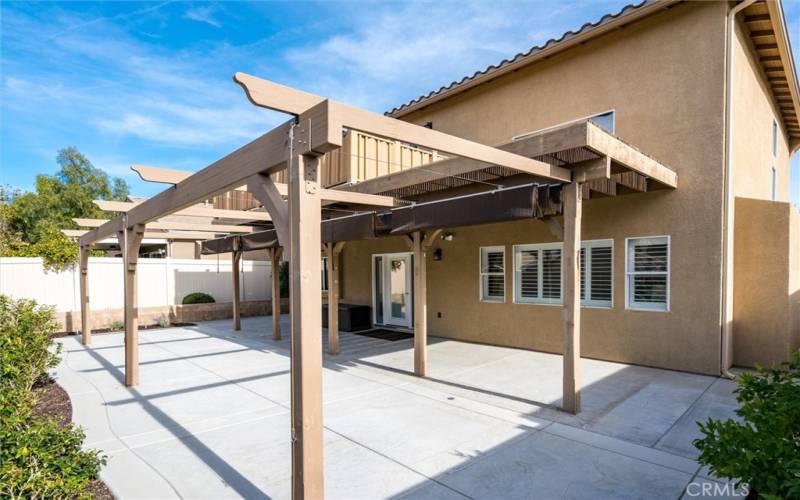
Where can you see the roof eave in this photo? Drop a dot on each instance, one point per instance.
(785, 50)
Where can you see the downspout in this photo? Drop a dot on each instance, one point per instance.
(726, 333)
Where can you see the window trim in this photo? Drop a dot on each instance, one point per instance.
(613, 111)
(539, 302)
(633, 307)
(608, 242)
(481, 274)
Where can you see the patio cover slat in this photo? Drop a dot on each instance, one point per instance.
(502, 205)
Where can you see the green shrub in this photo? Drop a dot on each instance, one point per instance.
(763, 450)
(163, 321)
(116, 325)
(198, 298)
(38, 457)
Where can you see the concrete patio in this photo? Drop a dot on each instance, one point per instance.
(210, 419)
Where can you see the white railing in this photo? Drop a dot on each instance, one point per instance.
(161, 282)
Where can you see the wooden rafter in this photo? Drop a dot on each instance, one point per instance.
(171, 235)
(339, 116)
(249, 215)
(184, 226)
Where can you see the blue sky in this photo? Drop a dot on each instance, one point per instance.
(151, 82)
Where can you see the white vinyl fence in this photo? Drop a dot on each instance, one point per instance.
(161, 282)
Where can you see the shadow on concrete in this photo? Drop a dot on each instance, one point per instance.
(230, 475)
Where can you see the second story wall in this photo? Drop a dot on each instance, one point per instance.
(754, 113)
(664, 78)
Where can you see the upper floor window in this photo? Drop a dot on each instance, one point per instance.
(774, 138)
(605, 120)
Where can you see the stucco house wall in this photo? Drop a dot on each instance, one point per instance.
(662, 78)
(754, 112)
(766, 317)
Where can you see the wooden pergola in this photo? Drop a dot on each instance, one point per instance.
(582, 158)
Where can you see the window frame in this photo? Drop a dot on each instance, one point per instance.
(629, 274)
(487, 299)
(611, 111)
(539, 301)
(586, 244)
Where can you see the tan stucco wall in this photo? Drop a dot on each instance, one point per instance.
(663, 77)
(183, 250)
(766, 316)
(753, 114)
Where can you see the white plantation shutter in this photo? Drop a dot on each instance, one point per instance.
(492, 274)
(537, 273)
(596, 263)
(551, 274)
(648, 273)
(528, 261)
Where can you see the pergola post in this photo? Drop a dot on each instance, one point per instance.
(275, 258)
(332, 251)
(86, 325)
(306, 340)
(420, 307)
(571, 398)
(420, 244)
(131, 239)
(236, 259)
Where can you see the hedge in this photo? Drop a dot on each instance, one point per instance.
(198, 298)
(39, 458)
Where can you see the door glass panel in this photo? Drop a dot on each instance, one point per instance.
(398, 287)
(378, 273)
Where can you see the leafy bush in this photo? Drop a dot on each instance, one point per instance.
(163, 321)
(198, 298)
(763, 450)
(38, 457)
(116, 325)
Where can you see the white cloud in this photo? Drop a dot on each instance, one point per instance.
(203, 15)
(394, 53)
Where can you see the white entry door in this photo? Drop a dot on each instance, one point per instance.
(392, 286)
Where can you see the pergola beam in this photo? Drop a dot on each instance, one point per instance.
(184, 226)
(547, 142)
(174, 235)
(340, 116)
(172, 176)
(248, 215)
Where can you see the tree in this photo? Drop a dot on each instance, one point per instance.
(31, 223)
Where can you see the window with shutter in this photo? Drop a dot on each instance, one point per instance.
(597, 261)
(537, 274)
(647, 270)
(492, 274)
